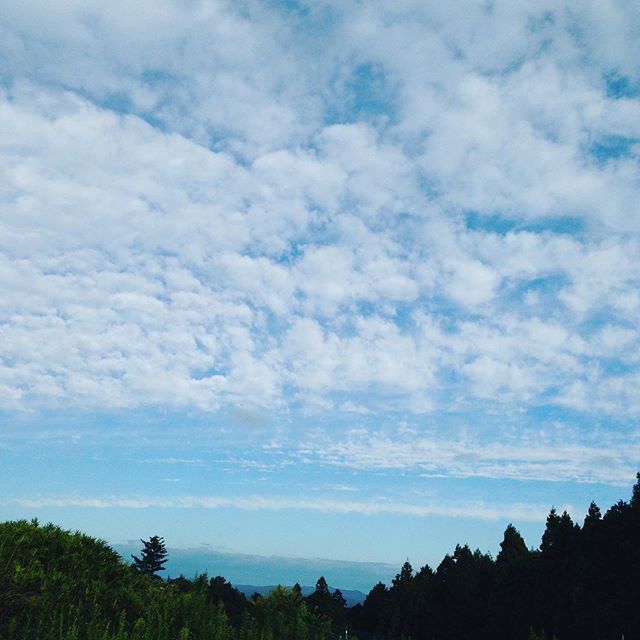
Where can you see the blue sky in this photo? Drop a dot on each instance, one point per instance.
(348, 280)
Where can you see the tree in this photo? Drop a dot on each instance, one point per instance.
(327, 605)
(405, 575)
(339, 611)
(320, 600)
(321, 586)
(635, 496)
(234, 601)
(559, 557)
(401, 602)
(372, 616)
(511, 602)
(512, 548)
(593, 517)
(153, 556)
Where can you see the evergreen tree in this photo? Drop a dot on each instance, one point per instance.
(405, 575)
(510, 609)
(593, 517)
(338, 611)
(635, 495)
(421, 616)
(322, 588)
(559, 555)
(512, 548)
(235, 602)
(401, 602)
(320, 600)
(153, 556)
(591, 573)
(372, 616)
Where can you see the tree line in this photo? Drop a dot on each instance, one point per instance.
(582, 583)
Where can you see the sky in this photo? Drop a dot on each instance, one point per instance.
(351, 280)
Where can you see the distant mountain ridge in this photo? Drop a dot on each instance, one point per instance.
(248, 569)
(352, 596)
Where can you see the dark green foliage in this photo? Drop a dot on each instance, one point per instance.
(511, 604)
(58, 585)
(401, 595)
(320, 599)
(583, 584)
(464, 583)
(513, 550)
(152, 557)
(53, 577)
(559, 549)
(327, 605)
(234, 602)
(284, 615)
(635, 495)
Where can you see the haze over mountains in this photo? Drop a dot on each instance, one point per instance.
(254, 572)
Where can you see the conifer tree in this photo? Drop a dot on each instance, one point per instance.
(512, 548)
(153, 556)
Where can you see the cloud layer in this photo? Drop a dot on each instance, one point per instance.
(477, 511)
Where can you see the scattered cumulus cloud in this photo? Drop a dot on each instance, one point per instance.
(536, 456)
(200, 210)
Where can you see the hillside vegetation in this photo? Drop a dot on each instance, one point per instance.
(583, 583)
(58, 585)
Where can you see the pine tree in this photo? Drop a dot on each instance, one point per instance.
(153, 556)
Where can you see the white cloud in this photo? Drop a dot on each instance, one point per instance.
(476, 511)
(187, 220)
(532, 455)
(472, 283)
(207, 70)
(172, 460)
